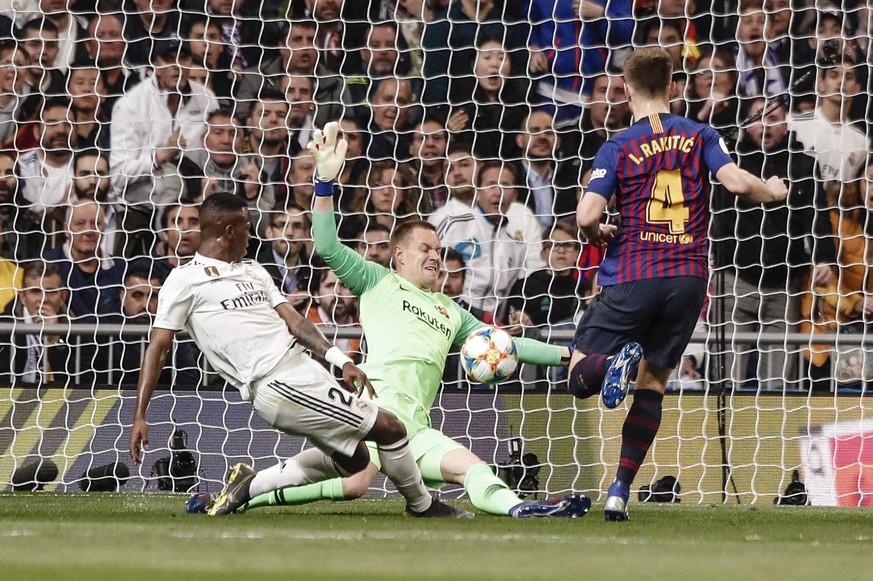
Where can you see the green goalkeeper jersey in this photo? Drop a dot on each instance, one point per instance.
(408, 331)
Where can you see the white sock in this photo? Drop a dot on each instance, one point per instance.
(399, 465)
(309, 466)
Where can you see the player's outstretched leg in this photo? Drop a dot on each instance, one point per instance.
(571, 506)
(622, 369)
(235, 492)
(399, 465)
(616, 502)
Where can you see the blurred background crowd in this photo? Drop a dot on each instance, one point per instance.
(117, 117)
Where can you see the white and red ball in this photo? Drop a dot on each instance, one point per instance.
(489, 355)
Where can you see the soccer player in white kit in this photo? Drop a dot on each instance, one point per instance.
(256, 340)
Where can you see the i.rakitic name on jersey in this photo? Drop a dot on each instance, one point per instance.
(662, 144)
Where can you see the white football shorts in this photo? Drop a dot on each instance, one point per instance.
(302, 398)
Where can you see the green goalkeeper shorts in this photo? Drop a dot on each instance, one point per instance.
(429, 447)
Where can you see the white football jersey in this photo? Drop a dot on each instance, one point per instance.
(229, 311)
(839, 149)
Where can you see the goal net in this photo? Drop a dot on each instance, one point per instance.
(118, 117)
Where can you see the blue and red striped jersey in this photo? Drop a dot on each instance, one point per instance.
(659, 172)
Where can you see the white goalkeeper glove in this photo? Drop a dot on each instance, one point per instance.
(329, 154)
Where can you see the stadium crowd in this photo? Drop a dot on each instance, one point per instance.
(117, 117)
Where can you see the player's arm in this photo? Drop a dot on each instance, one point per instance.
(738, 181)
(600, 189)
(588, 215)
(153, 362)
(529, 350)
(311, 337)
(752, 189)
(357, 274)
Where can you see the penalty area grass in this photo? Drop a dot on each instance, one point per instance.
(134, 537)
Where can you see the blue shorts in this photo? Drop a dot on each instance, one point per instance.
(658, 313)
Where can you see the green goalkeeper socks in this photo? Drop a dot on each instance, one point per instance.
(293, 495)
(488, 492)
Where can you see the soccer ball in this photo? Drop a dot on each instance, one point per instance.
(489, 355)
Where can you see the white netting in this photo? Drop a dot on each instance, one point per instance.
(118, 117)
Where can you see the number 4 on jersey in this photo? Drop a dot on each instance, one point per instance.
(667, 204)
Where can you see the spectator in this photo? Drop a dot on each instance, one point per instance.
(152, 126)
(757, 66)
(453, 40)
(334, 305)
(287, 257)
(549, 299)
(151, 28)
(226, 170)
(92, 276)
(668, 34)
(46, 172)
(539, 144)
(390, 198)
(13, 90)
(494, 103)
(211, 54)
(357, 166)
(243, 30)
(10, 279)
(85, 88)
(428, 148)
(334, 34)
(606, 114)
(555, 40)
(139, 303)
(298, 91)
(712, 91)
(497, 238)
(607, 32)
(23, 238)
(833, 38)
(39, 39)
(828, 133)
(374, 243)
(70, 30)
(36, 359)
(389, 120)
(380, 58)
(461, 174)
(106, 47)
(762, 250)
(777, 29)
(180, 238)
(91, 182)
(297, 57)
(680, 16)
(453, 282)
(460, 180)
(410, 16)
(846, 304)
(268, 140)
(301, 180)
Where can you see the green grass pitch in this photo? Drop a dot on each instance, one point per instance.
(133, 537)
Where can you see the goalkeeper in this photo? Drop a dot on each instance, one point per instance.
(410, 328)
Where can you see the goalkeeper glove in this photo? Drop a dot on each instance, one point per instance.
(328, 152)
